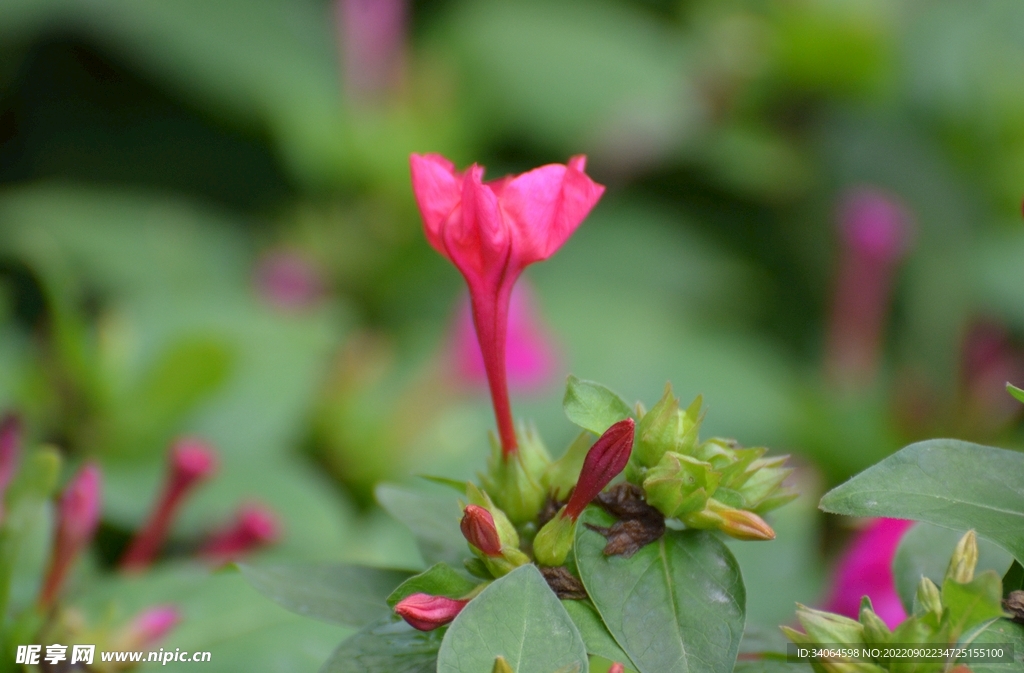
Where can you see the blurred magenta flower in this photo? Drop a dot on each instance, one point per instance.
(372, 37)
(10, 450)
(191, 461)
(988, 360)
(255, 526)
(426, 612)
(288, 280)
(491, 232)
(875, 232)
(148, 628)
(78, 514)
(531, 360)
(865, 569)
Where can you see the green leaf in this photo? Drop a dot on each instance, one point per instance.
(1001, 632)
(183, 376)
(387, 646)
(592, 406)
(516, 617)
(771, 666)
(1014, 579)
(973, 603)
(946, 482)
(342, 594)
(433, 520)
(438, 580)
(676, 605)
(924, 551)
(1017, 393)
(25, 503)
(595, 634)
(563, 474)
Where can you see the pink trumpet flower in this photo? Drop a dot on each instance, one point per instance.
(255, 526)
(192, 461)
(491, 232)
(531, 360)
(865, 569)
(875, 232)
(78, 514)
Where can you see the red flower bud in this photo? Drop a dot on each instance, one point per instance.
(191, 462)
(606, 458)
(254, 526)
(426, 612)
(78, 514)
(479, 530)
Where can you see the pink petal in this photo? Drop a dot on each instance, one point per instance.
(438, 189)
(544, 206)
(475, 236)
(865, 569)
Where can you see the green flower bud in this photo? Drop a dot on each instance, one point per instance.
(876, 632)
(657, 431)
(516, 483)
(679, 484)
(964, 560)
(501, 666)
(825, 627)
(510, 559)
(554, 540)
(737, 523)
(927, 598)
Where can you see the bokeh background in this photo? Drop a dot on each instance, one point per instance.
(207, 228)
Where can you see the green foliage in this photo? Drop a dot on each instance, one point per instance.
(592, 406)
(677, 604)
(946, 482)
(517, 617)
(437, 580)
(341, 594)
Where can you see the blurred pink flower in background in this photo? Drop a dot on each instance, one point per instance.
(371, 34)
(78, 515)
(147, 628)
(10, 450)
(288, 280)
(254, 526)
(988, 360)
(876, 235)
(865, 569)
(531, 355)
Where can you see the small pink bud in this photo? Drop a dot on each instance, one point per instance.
(255, 526)
(617, 668)
(479, 530)
(191, 461)
(10, 448)
(426, 612)
(744, 525)
(605, 460)
(78, 514)
(149, 627)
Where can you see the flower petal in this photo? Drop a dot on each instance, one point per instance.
(438, 189)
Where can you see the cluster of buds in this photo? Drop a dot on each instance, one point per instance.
(710, 484)
(492, 538)
(941, 616)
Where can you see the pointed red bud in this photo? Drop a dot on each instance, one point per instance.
(426, 612)
(78, 514)
(606, 458)
(191, 461)
(479, 530)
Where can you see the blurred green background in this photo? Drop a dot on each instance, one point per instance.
(207, 227)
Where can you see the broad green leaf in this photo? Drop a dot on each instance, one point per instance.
(592, 406)
(1017, 393)
(519, 618)
(946, 482)
(676, 605)
(924, 551)
(438, 580)
(1001, 632)
(433, 520)
(343, 594)
(185, 374)
(973, 603)
(25, 504)
(387, 646)
(1013, 580)
(771, 666)
(595, 634)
